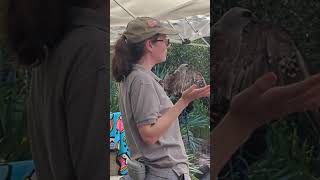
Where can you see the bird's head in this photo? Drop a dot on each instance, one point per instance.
(235, 18)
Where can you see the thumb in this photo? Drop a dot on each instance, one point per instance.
(264, 83)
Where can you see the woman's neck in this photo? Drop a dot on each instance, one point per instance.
(146, 62)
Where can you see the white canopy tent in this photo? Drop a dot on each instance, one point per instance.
(190, 17)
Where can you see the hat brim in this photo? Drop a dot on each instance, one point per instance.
(168, 31)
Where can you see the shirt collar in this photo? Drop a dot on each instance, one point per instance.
(88, 17)
(142, 68)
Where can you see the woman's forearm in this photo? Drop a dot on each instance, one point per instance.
(226, 138)
(152, 133)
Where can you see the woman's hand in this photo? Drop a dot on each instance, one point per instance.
(193, 93)
(151, 133)
(263, 101)
(257, 105)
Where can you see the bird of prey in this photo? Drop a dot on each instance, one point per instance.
(174, 84)
(245, 48)
(181, 79)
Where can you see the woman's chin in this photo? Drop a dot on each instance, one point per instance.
(163, 60)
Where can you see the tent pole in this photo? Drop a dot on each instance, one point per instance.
(130, 13)
(175, 29)
(197, 32)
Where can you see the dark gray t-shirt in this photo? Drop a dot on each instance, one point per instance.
(142, 102)
(67, 105)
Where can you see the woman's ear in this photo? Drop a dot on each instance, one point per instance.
(149, 45)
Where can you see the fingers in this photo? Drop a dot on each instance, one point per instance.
(194, 93)
(200, 92)
(301, 96)
(307, 96)
(264, 83)
(310, 100)
(205, 92)
(260, 86)
(206, 87)
(315, 104)
(191, 88)
(203, 89)
(298, 88)
(307, 106)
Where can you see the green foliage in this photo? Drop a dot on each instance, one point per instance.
(162, 69)
(289, 156)
(196, 56)
(114, 96)
(197, 127)
(193, 166)
(13, 93)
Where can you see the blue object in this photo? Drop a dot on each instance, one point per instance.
(19, 170)
(118, 142)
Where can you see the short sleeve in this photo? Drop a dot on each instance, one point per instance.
(144, 101)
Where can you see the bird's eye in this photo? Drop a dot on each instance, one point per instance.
(246, 14)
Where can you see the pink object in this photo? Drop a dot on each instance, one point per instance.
(120, 126)
(122, 161)
(152, 23)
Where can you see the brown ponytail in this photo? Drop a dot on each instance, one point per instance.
(125, 56)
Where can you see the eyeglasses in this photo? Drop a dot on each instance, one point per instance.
(166, 41)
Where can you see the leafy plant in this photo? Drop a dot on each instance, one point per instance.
(13, 94)
(114, 96)
(289, 156)
(161, 70)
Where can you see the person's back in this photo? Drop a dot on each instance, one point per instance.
(68, 95)
(68, 99)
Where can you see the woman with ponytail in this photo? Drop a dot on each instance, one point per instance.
(64, 44)
(150, 118)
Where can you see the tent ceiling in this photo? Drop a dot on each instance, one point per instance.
(190, 17)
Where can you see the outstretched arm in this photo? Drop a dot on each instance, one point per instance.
(256, 106)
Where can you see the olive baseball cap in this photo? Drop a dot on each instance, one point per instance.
(142, 28)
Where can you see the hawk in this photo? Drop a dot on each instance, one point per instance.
(245, 48)
(181, 79)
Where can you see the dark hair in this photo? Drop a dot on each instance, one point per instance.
(35, 26)
(126, 55)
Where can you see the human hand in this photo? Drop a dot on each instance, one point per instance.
(193, 93)
(263, 101)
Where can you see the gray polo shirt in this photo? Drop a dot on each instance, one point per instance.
(142, 102)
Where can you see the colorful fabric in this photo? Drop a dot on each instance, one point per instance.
(118, 142)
